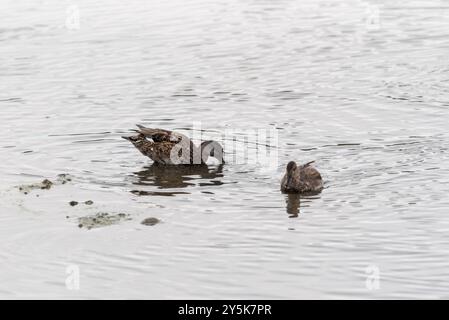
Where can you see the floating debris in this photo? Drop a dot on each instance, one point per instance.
(63, 178)
(73, 203)
(44, 185)
(101, 219)
(150, 221)
(89, 202)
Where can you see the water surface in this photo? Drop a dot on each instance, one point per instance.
(364, 95)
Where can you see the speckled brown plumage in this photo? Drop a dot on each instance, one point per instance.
(301, 179)
(169, 147)
(160, 135)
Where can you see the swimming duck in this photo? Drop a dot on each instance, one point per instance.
(301, 179)
(170, 147)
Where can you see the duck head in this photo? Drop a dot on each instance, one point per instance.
(137, 140)
(212, 148)
(292, 176)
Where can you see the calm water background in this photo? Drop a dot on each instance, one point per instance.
(364, 95)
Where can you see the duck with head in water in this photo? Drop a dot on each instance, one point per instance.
(170, 147)
(301, 179)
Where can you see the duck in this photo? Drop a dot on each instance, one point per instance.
(301, 179)
(172, 148)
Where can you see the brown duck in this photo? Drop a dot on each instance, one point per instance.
(170, 147)
(301, 179)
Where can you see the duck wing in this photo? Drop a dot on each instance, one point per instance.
(311, 173)
(311, 179)
(160, 135)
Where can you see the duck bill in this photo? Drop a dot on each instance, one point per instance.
(126, 138)
(289, 181)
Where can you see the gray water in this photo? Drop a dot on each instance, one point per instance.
(361, 87)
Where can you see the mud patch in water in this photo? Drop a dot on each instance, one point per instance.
(45, 184)
(102, 219)
(150, 221)
(75, 203)
(63, 178)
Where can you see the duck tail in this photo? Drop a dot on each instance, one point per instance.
(308, 163)
(144, 130)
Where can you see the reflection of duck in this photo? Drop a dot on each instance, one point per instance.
(293, 203)
(180, 176)
(301, 179)
(169, 147)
